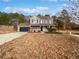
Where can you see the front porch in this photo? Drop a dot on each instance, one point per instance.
(34, 28)
(39, 28)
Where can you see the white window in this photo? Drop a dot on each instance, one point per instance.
(31, 22)
(50, 22)
(38, 21)
(41, 22)
(34, 21)
(46, 22)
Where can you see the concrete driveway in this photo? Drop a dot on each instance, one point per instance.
(10, 36)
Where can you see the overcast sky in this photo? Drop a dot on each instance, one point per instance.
(33, 7)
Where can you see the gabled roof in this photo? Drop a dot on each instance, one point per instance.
(44, 17)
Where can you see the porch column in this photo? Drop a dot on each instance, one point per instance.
(49, 26)
(40, 28)
(30, 28)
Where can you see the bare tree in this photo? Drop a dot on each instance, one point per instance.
(15, 23)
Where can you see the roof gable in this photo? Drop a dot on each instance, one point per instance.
(44, 17)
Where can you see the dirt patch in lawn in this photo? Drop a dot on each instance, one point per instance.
(41, 46)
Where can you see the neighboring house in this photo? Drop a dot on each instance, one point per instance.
(38, 24)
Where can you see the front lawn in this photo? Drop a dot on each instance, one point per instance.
(41, 46)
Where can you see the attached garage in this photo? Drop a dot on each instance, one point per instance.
(24, 29)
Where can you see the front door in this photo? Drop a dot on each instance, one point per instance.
(41, 28)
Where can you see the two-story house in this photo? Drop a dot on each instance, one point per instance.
(39, 24)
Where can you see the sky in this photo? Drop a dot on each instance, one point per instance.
(33, 7)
